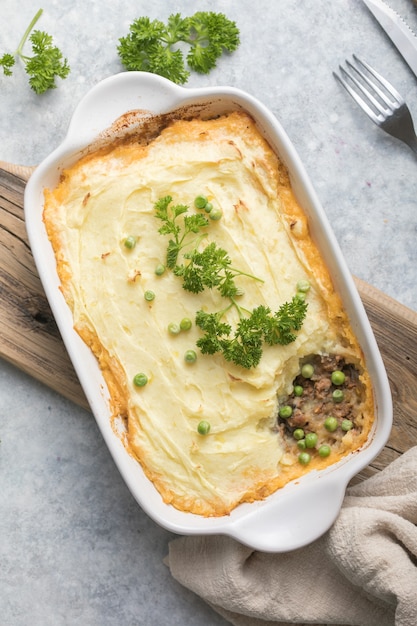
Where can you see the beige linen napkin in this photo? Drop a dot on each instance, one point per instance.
(362, 572)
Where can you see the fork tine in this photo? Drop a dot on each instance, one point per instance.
(395, 119)
(390, 88)
(362, 103)
(350, 79)
(373, 86)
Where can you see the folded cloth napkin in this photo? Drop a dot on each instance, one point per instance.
(362, 572)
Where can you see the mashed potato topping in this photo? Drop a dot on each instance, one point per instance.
(109, 196)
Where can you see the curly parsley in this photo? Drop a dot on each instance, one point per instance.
(46, 62)
(155, 47)
(212, 268)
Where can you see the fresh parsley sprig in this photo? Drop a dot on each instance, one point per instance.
(212, 268)
(244, 345)
(46, 62)
(169, 213)
(209, 268)
(155, 47)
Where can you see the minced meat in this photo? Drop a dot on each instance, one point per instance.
(314, 407)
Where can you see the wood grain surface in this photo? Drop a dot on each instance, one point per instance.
(29, 337)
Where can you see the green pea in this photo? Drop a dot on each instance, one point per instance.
(301, 445)
(303, 285)
(347, 425)
(216, 214)
(324, 450)
(330, 424)
(338, 396)
(130, 242)
(338, 377)
(298, 434)
(285, 411)
(208, 207)
(185, 323)
(298, 390)
(200, 202)
(203, 427)
(173, 328)
(304, 458)
(149, 296)
(311, 440)
(307, 370)
(190, 356)
(140, 380)
(159, 269)
(301, 296)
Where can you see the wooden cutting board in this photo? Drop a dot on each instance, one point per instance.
(29, 337)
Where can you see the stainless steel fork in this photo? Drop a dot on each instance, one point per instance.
(380, 100)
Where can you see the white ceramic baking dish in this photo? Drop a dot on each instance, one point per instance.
(303, 510)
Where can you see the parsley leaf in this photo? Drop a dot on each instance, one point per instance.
(6, 62)
(46, 63)
(210, 34)
(209, 268)
(155, 47)
(169, 213)
(215, 332)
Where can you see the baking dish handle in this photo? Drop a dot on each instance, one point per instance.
(282, 526)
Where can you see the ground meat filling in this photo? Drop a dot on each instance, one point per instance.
(324, 408)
